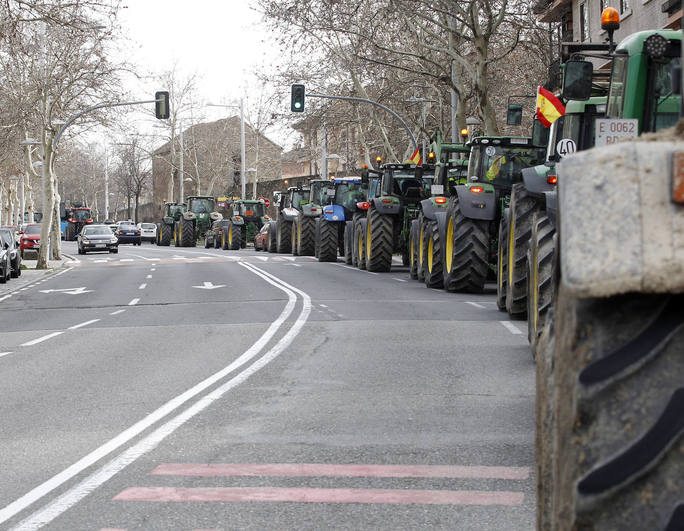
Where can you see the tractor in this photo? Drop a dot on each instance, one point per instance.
(248, 216)
(74, 219)
(195, 221)
(289, 205)
(171, 215)
(304, 224)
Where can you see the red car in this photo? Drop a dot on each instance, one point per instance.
(29, 242)
(261, 238)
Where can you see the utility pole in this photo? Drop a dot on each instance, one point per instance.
(243, 171)
(181, 177)
(106, 179)
(324, 154)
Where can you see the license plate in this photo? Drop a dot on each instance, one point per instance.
(100, 245)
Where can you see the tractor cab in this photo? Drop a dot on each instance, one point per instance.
(249, 209)
(173, 211)
(499, 161)
(408, 182)
(296, 198)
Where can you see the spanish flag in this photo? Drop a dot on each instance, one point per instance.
(549, 108)
(415, 158)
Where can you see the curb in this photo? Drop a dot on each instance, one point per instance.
(48, 274)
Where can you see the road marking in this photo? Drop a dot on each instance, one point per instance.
(72, 496)
(341, 471)
(142, 286)
(100, 261)
(399, 279)
(148, 276)
(347, 267)
(262, 258)
(117, 312)
(153, 269)
(209, 285)
(295, 265)
(145, 258)
(372, 273)
(511, 327)
(41, 339)
(126, 260)
(134, 302)
(322, 305)
(68, 291)
(5, 297)
(83, 324)
(4, 354)
(310, 495)
(476, 305)
(154, 265)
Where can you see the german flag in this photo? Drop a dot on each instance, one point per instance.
(549, 108)
(415, 158)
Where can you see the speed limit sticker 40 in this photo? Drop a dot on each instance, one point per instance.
(566, 146)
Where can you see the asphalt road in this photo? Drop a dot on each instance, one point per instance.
(186, 389)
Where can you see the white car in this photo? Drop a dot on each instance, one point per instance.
(148, 231)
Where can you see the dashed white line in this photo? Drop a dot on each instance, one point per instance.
(4, 354)
(126, 260)
(153, 269)
(322, 305)
(511, 327)
(83, 324)
(399, 279)
(41, 339)
(134, 302)
(5, 297)
(142, 286)
(148, 276)
(477, 306)
(117, 312)
(372, 273)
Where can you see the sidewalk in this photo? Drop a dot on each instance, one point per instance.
(29, 274)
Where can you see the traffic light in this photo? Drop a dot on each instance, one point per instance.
(161, 105)
(297, 101)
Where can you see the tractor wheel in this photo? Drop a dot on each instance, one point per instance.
(502, 264)
(283, 236)
(186, 232)
(294, 243)
(378, 240)
(522, 208)
(420, 249)
(306, 228)
(540, 284)
(348, 242)
(618, 403)
(433, 256)
(166, 234)
(16, 271)
(272, 238)
(206, 242)
(176, 239)
(327, 241)
(70, 232)
(243, 237)
(413, 249)
(359, 243)
(466, 251)
(234, 238)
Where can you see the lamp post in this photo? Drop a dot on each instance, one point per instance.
(243, 171)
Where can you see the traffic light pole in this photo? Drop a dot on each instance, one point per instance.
(364, 100)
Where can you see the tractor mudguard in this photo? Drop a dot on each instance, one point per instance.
(310, 210)
(430, 208)
(290, 214)
(476, 205)
(237, 221)
(551, 199)
(215, 216)
(333, 213)
(387, 205)
(189, 216)
(536, 181)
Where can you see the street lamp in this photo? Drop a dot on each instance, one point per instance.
(242, 141)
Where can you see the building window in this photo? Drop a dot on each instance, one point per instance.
(584, 26)
(624, 7)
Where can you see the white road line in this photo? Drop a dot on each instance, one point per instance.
(83, 324)
(71, 497)
(134, 302)
(154, 265)
(322, 305)
(41, 339)
(5, 297)
(477, 305)
(372, 273)
(399, 279)
(145, 258)
(126, 260)
(142, 286)
(117, 312)
(511, 327)
(148, 276)
(153, 269)
(347, 267)
(295, 265)
(4, 354)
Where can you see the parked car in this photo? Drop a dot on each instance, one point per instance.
(97, 238)
(15, 255)
(128, 233)
(261, 238)
(29, 240)
(148, 232)
(5, 261)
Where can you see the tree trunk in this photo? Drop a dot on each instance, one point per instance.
(48, 202)
(55, 233)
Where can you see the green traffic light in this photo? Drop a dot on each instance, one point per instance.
(297, 104)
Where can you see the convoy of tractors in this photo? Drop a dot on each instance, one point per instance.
(581, 242)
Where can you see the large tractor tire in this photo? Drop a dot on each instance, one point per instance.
(540, 285)
(176, 234)
(522, 208)
(165, 234)
(234, 238)
(283, 236)
(327, 240)
(348, 242)
(467, 249)
(70, 232)
(306, 229)
(359, 243)
(618, 407)
(271, 245)
(378, 240)
(294, 245)
(420, 242)
(432, 270)
(502, 264)
(186, 232)
(413, 250)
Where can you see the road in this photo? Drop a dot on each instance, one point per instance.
(186, 389)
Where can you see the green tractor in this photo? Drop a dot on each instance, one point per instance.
(304, 224)
(289, 205)
(248, 216)
(195, 220)
(474, 211)
(398, 203)
(165, 228)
